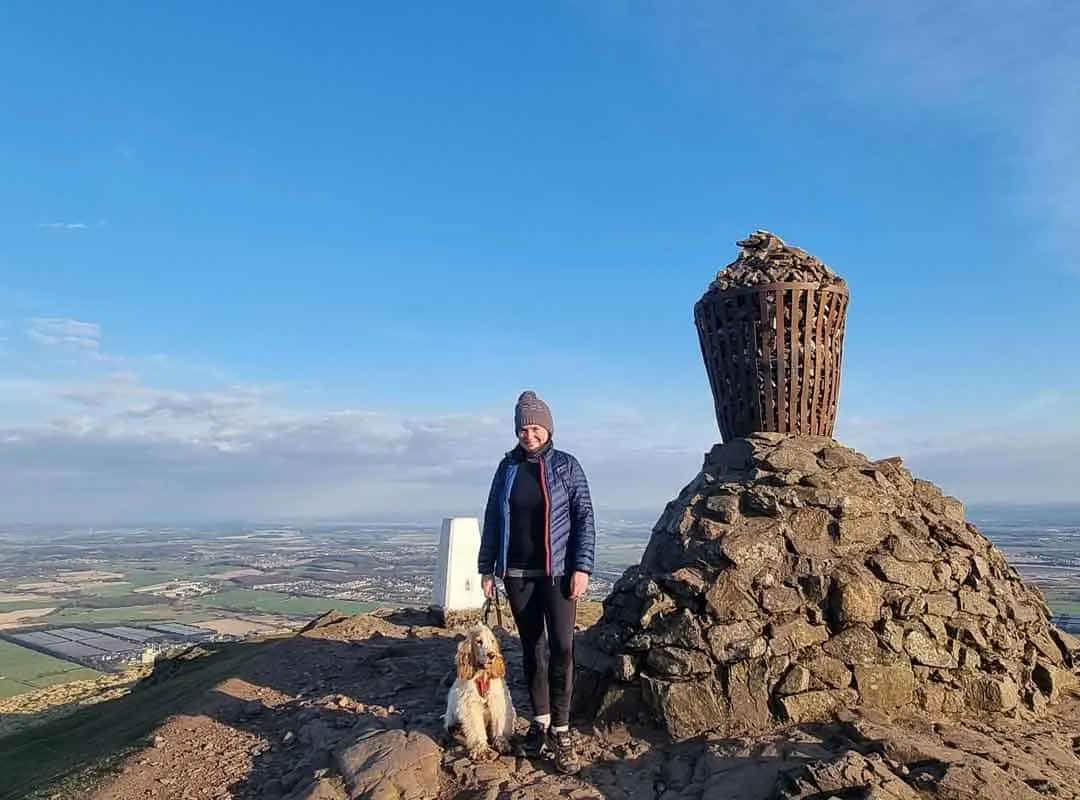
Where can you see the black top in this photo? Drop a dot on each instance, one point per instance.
(527, 516)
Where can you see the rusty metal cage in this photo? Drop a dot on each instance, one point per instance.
(773, 355)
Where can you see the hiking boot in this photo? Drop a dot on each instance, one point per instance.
(534, 743)
(565, 757)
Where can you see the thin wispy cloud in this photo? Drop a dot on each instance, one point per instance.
(72, 226)
(55, 331)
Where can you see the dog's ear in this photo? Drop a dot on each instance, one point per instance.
(466, 669)
(497, 668)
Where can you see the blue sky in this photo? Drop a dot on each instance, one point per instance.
(273, 259)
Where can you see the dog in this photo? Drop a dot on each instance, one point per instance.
(479, 699)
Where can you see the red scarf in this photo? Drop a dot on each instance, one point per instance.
(482, 682)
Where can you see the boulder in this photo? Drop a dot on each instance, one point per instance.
(391, 765)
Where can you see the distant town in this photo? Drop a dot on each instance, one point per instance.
(76, 603)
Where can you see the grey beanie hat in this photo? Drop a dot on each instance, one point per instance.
(531, 410)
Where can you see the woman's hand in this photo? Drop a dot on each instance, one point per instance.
(579, 583)
(487, 584)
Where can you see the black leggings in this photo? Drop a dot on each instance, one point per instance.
(545, 617)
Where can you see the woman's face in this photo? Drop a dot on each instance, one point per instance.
(533, 437)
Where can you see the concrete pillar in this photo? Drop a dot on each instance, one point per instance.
(458, 594)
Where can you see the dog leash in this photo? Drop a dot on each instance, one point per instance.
(493, 601)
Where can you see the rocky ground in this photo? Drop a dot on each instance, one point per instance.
(351, 708)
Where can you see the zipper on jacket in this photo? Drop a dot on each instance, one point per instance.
(504, 544)
(547, 517)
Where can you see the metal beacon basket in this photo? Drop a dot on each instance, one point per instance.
(773, 355)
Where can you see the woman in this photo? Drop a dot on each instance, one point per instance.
(539, 537)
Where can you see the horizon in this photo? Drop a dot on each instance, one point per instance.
(282, 262)
(975, 512)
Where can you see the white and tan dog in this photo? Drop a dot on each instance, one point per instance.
(479, 699)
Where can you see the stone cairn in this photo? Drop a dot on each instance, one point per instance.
(794, 577)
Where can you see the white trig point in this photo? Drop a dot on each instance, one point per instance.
(457, 583)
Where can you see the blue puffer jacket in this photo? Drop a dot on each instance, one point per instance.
(570, 541)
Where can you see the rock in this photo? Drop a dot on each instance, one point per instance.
(838, 457)
(317, 735)
(791, 459)
(817, 706)
(1023, 612)
(866, 530)
(680, 629)
(655, 606)
(1052, 681)
(986, 693)
(974, 603)
(796, 681)
(795, 635)
(765, 258)
(856, 645)
(778, 599)
(727, 601)
(734, 456)
(849, 775)
(686, 708)
(748, 690)
(930, 496)
(391, 765)
(857, 600)
(829, 672)
(923, 650)
(885, 687)
(983, 780)
(808, 531)
(731, 642)
(941, 604)
(760, 501)
(687, 582)
(918, 575)
(676, 662)
(753, 544)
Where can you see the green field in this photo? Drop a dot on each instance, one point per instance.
(23, 670)
(1070, 607)
(280, 604)
(22, 605)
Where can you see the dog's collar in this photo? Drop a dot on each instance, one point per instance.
(482, 682)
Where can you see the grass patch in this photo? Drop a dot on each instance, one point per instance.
(95, 737)
(77, 615)
(23, 670)
(255, 600)
(22, 605)
(1070, 607)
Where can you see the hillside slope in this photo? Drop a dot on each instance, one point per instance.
(351, 708)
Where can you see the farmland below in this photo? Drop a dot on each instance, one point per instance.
(23, 670)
